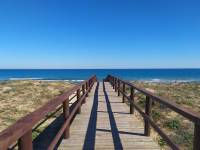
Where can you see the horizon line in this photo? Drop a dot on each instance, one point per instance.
(90, 68)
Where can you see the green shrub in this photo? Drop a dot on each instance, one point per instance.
(156, 115)
(173, 124)
(184, 138)
(187, 102)
(161, 142)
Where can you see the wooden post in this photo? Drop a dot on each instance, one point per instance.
(113, 83)
(116, 80)
(66, 115)
(78, 99)
(148, 106)
(86, 89)
(25, 142)
(124, 88)
(83, 89)
(89, 84)
(118, 87)
(132, 100)
(196, 145)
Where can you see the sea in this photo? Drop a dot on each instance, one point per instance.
(149, 75)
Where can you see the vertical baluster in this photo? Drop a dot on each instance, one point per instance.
(25, 142)
(116, 81)
(113, 83)
(83, 89)
(78, 99)
(118, 87)
(124, 88)
(196, 145)
(66, 115)
(148, 106)
(132, 100)
(86, 88)
(89, 84)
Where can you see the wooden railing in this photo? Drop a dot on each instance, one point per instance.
(21, 131)
(148, 121)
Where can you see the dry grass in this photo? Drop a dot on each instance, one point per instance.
(178, 128)
(19, 98)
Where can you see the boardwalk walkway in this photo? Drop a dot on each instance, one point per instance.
(105, 123)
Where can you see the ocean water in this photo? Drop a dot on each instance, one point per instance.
(151, 75)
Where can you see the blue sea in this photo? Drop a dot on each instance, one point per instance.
(151, 75)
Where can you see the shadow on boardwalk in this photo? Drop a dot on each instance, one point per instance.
(46, 137)
(114, 129)
(89, 143)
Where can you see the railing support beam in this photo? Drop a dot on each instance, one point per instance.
(118, 87)
(113, 81)
(196, 137)
(148, 106)
(78, 99)
(132, 100)
(66, 133)
(124, 88)
(89, 84)
(86, 88)
(25, 142)
(83, 90)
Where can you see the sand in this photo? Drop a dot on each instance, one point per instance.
(19, 98)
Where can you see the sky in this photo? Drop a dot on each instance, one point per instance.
(99, 34)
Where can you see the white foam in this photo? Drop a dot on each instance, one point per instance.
(76, 80)
(166, 81)
(25, 78)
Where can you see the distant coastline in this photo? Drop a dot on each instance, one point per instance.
(77, 75)
(77, 81)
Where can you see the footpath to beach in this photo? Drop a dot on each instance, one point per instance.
(95, 115)
(105, 123)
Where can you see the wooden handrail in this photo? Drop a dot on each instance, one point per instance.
(21, 131)
(187, 113)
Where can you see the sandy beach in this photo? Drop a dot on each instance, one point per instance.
(20, 97)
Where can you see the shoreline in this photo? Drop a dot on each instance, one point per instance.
(81, 80)
(166, 81)
(41, 80)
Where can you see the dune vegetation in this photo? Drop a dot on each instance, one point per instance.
(178, 128)
(19, 98)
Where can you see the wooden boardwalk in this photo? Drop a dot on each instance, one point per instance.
(105, 123)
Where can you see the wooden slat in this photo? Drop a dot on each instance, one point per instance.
(105, 123)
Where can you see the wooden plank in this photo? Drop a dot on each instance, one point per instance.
(112, 125)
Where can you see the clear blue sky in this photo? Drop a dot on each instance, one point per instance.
(99, 34)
